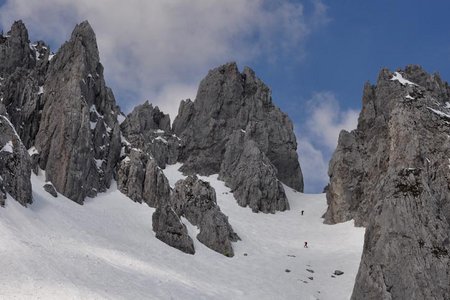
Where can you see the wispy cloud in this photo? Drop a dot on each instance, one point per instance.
(319, 135)
(148, 47)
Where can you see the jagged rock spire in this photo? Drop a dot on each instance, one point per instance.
(15, 50)
(79, 136)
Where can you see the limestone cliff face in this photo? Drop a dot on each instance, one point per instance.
(227, 102)
(79, 137)
(392, 176)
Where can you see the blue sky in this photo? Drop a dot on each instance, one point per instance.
(315, 55)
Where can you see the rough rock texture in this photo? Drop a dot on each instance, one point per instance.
(140, 178)
(49, 188)
(169, 229)
(131, 175)
(78, 140)
(15, 51)
(196, 201)
(251, 175)
(391, 175)
(22, 73)
(228, 101)
(15, 165)
(148, 129)
(156, 186)
(22, 98)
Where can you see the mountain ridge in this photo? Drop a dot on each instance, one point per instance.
(74, 135)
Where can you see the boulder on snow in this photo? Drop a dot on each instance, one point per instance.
(169, 229)
(196, 201)
(49, 188)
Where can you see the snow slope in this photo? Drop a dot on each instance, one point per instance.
(106, 249)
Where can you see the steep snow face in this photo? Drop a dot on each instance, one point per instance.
(106, 249)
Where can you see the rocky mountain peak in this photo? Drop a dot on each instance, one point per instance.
(84, 34)
(79, 136)
(15, 50)
(227, 102)
(19, 32)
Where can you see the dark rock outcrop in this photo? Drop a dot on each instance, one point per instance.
(169, 229)
(140, 178)
(196, 201)
(391, 175)
(49, 188)
(131, 175)
(156, 186)
(15, 165)
(78, 140)
(228, 101)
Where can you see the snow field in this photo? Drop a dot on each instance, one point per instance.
(106, 249)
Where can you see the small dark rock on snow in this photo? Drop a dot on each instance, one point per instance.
(337, 272)
(49, 188)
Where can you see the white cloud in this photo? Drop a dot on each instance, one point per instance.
(319, 135)
(314, 167)
(149, 46)
(327, 119)
(169, 97)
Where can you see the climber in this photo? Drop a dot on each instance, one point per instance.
(302, 212)
(306, 245)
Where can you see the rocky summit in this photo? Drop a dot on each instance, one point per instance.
(391, 175)
(229, 103)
